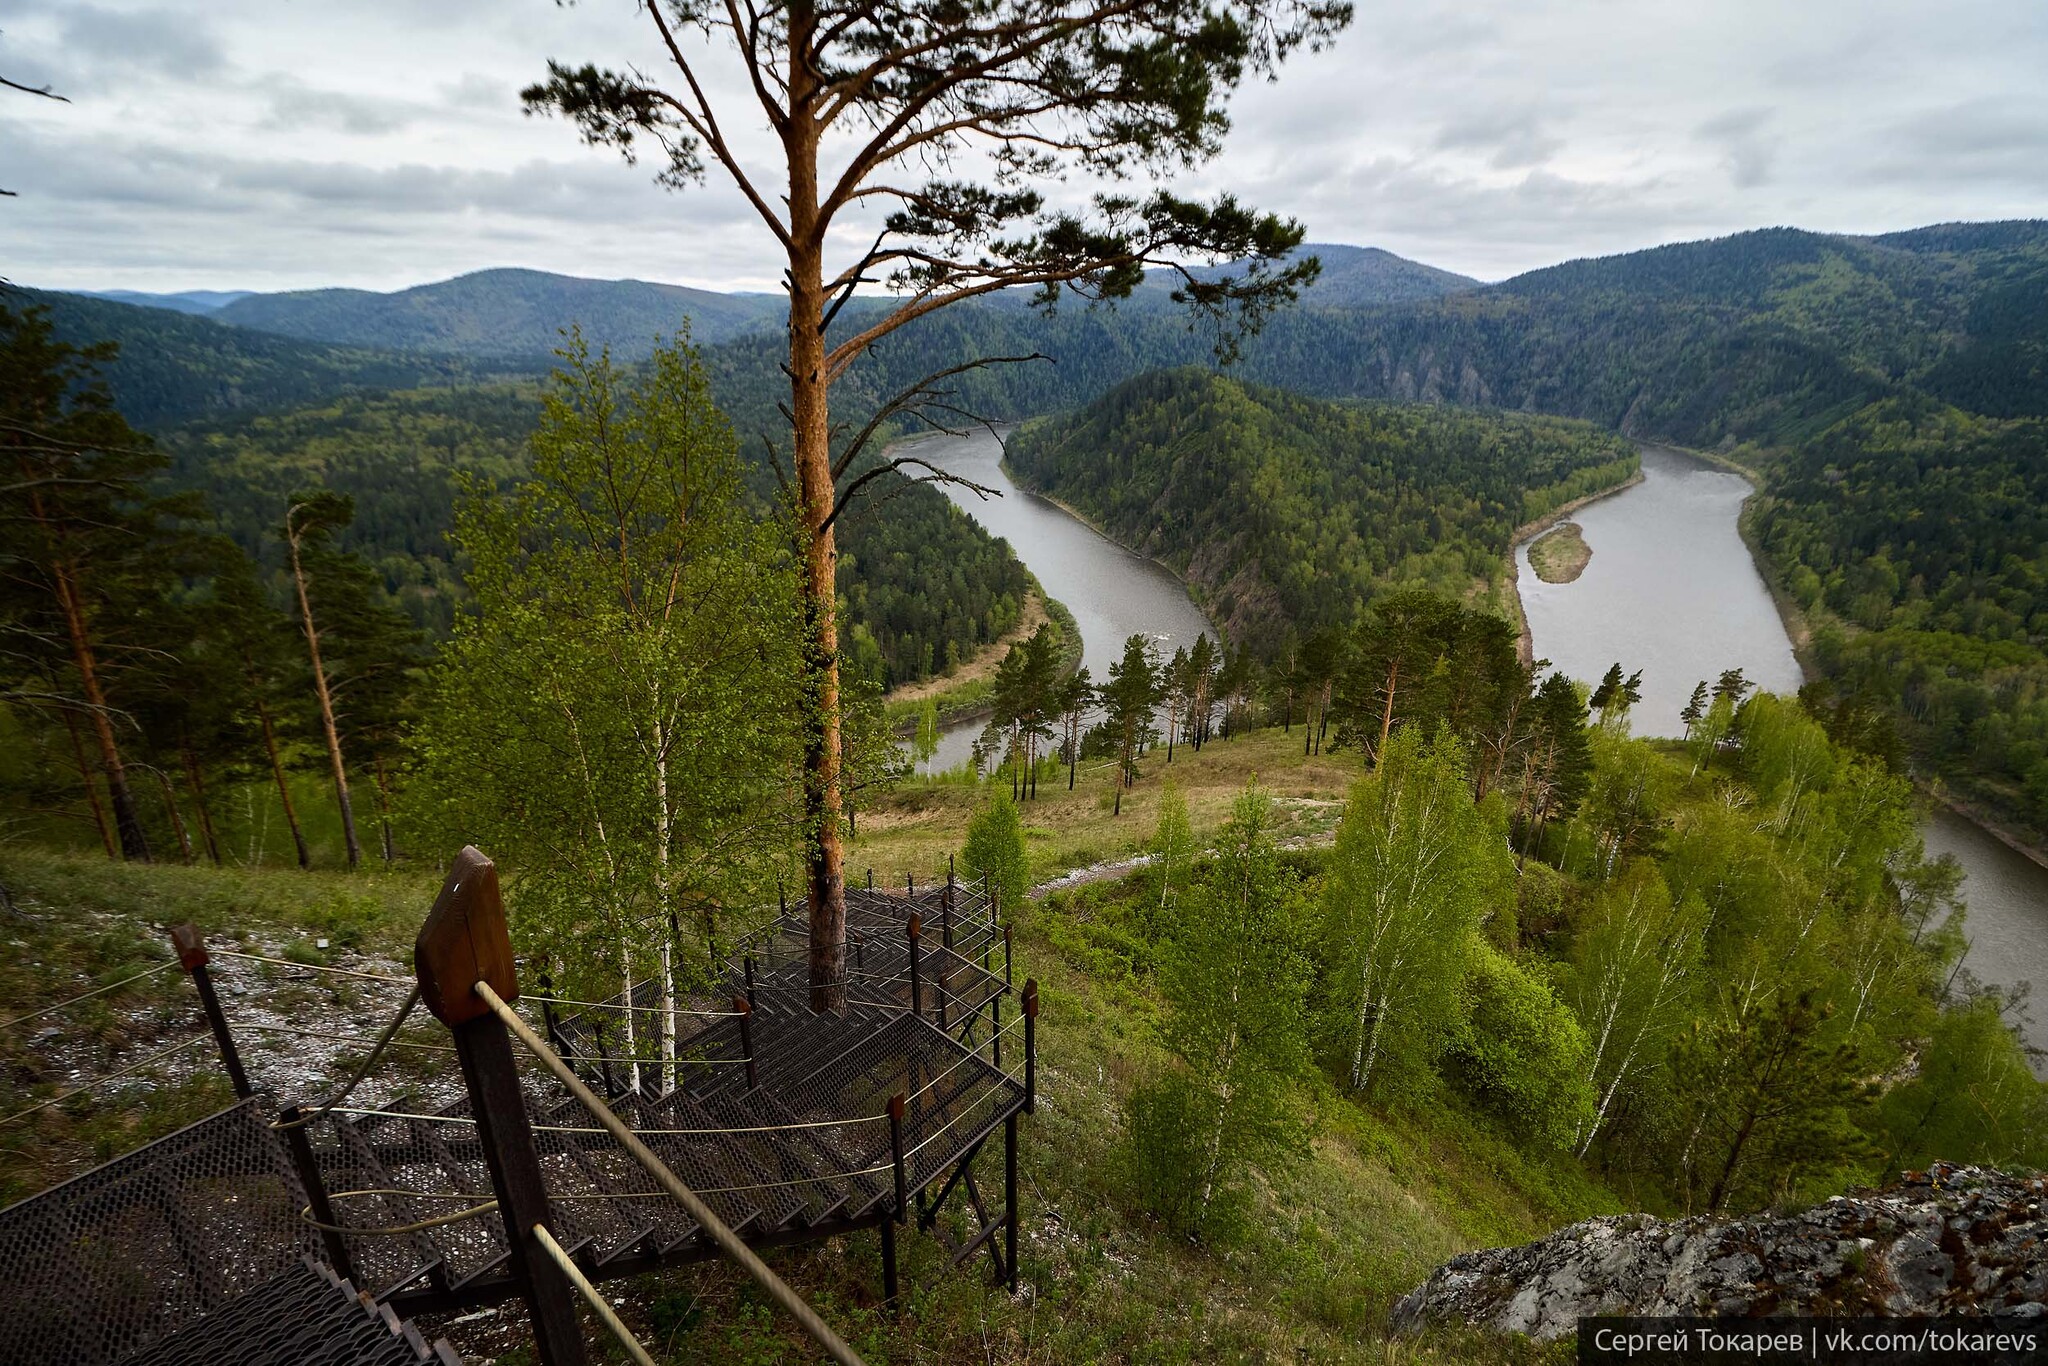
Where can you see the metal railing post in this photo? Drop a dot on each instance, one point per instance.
(896, 1154)
(292, 1124)
(1030, 1046)
(995, 1026)
(547, 1010)
(193, 957)
(1006, 957)
(750, 981)
(463, 941)
(1010, 1199)
(745, 1010)
(916, 979)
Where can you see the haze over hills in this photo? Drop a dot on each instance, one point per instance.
(199, 301)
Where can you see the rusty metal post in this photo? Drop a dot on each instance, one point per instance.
(995, 1027)
(946, 913)
(912, 930)
(1030, 1046)
(289, 1123)
(745, 1010)
(193, 957)
(1010, 1200)
(750, 981)
(896, 1154)
(463, 942)
(871, 879)
(889, 1261)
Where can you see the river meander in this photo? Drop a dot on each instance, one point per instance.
(1671, 590)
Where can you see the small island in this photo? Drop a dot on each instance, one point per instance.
(1560, 554)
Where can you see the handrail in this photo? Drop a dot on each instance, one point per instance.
(589, 1293)
(88, 995)
(706, 1219)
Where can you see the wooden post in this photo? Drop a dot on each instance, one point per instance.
(193, 957)
(463, 942)
(916, 981)
(1030, 1046)
(896, 1154)
(744, 1008)
(1010, 1198)
(301, 1146)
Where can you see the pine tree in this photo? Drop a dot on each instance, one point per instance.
(1128, 700)
(84, 560)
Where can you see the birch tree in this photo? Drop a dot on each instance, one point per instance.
(932, 129)
(1233, 982)
(1414, 863)
(615, 717)
(1632, 969)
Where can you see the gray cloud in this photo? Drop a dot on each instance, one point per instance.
(157, 40)
(1748, 149)
(249, 144)
(1514, 137)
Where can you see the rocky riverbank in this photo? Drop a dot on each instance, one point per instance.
(1951, 1240)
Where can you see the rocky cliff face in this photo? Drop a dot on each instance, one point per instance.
(1951, 1240)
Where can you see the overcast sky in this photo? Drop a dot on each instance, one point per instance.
(279, 144)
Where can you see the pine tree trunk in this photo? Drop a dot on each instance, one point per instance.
(127, 822)
(92, 787)
(812, 456)
(384, 811)
(327, 727)
(198, 785)
(178, 830)
(284, 791)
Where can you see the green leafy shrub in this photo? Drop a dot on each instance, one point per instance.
(1520, 1051)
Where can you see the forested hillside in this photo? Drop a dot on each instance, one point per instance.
(251, 419)
(926, 585)
(173, 367)
(1287, 513)
(1917, 535)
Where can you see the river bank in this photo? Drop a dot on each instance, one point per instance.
(1529, 531)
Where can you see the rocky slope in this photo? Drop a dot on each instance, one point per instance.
(1951, 1240)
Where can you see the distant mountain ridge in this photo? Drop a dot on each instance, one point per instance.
(509, 313)
(197, 301)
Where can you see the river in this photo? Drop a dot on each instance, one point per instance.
(1670, 590)
(1113, 593)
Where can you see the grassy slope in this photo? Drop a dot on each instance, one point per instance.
(1385, 1196)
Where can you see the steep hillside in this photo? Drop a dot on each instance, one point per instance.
(1286, 513)
(174, 367)
(501, 314)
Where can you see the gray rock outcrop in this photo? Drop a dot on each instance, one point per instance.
(1951, 1240)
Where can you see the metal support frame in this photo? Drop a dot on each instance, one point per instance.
(911, 932)
(1030, 1045)
(291, 1123)
(744, 1008)
(193, 957)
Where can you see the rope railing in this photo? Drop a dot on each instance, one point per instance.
(706, 1219)
(639, 1010)
(103, 1080)
(384, 1041)
(314, 967)
(597, 1302)
(88, 995)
